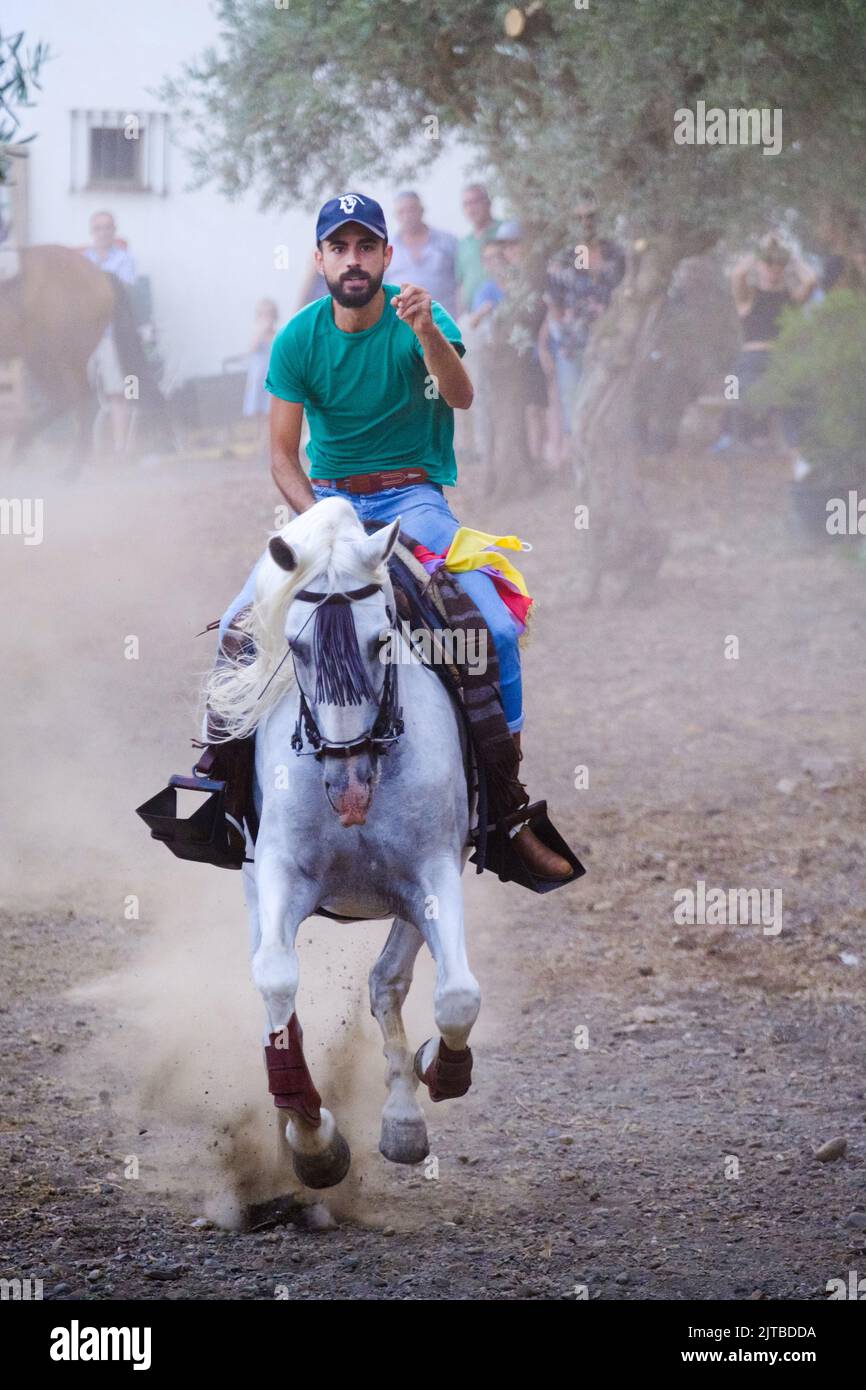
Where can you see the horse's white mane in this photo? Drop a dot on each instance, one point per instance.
(327, 540)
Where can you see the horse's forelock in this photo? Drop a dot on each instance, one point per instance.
(349, 565)
(328, 542)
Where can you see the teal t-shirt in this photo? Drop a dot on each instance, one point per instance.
(367, 396)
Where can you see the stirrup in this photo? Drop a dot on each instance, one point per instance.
(204, 836)
(505, 861)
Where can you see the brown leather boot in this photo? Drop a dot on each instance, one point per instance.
(543, 862)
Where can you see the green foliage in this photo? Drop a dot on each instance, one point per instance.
(818, 363)
(323, 93)
(19, 72)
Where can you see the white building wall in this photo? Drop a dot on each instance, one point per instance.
(209, 260)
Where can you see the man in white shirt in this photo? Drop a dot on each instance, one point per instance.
(106, 253)
(105, 363)
(423, 255)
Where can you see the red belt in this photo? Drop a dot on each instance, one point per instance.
(375, 482)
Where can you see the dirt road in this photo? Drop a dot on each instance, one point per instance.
(649, 1095)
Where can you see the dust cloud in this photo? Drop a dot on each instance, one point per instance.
(100, 702)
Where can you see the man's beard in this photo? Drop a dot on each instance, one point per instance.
(354, 299)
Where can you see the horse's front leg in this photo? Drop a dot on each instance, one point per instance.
(403, 1136)
(320, 1154)
(444, 1064)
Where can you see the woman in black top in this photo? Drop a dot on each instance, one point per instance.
(763, 286)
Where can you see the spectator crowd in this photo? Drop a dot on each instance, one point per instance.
(526, 317)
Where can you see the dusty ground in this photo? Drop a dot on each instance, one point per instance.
(129, 1025)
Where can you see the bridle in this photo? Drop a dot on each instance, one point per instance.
(388, 723)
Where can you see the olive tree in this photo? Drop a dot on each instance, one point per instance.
(19, 74)
(692, 120)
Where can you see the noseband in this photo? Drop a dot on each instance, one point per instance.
(388, 724)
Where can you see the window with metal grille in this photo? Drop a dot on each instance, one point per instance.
(114, 158)
(120, 151)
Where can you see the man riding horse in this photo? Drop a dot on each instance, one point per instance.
(378, 369)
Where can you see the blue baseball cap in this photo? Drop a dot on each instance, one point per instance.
(351, 207)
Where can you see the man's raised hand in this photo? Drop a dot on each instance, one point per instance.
(414, 306)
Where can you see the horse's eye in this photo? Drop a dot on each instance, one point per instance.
(299, 649)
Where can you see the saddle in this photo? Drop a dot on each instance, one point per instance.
(498, 801)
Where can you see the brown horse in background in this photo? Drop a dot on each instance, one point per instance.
(52, 316)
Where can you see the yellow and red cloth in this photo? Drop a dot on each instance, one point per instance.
(473, 550)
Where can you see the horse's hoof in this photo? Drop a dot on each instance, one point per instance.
(404, 1140)
(448, 1075)
(323, 1169)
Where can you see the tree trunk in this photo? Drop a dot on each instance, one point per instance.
(623, 541)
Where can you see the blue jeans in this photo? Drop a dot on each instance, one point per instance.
(567, 381)
(426, 515)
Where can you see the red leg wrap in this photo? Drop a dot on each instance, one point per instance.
(450, 1073)
(289, 1080)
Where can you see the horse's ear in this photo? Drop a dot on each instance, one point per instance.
(282, 554)
(378, 547)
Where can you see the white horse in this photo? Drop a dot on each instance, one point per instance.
(363, 810)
